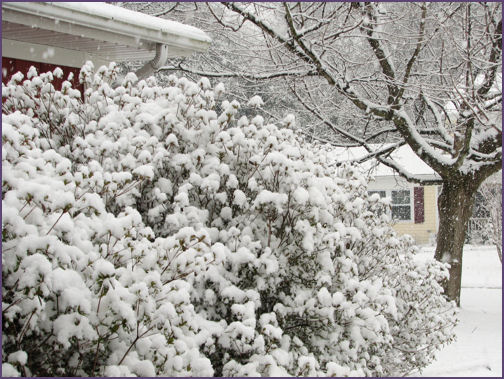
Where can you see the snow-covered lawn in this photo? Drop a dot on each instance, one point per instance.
(478, 349)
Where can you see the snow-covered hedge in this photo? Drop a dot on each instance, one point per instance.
(145, 234)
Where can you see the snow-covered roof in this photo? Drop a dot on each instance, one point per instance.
(106, 31)
(404, 156)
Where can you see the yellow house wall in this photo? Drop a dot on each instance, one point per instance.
(425, 232)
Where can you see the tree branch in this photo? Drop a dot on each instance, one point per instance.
(245, 75)
(379, 51)
(495, 55)
(414, 56)
(162, 13)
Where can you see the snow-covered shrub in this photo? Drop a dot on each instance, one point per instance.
(145, 234)
(421, 321)
(88, 288)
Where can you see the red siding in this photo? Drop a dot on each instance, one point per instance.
(12, 65)
(418, 201)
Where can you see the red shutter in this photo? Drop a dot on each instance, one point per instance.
(418, 201)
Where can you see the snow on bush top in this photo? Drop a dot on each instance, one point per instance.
(145, 234)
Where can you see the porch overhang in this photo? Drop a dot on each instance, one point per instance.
(96, 31)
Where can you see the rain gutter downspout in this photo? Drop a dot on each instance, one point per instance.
(157, 62)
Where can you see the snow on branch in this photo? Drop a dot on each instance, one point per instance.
(247, 75)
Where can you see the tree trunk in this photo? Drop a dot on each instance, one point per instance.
(455, 206)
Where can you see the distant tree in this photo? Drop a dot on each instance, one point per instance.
(491, 193)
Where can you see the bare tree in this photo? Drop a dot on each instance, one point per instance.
(423, 74)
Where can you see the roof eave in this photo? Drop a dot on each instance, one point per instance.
(71, 19)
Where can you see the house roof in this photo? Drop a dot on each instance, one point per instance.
(104, 31)
(404, 156)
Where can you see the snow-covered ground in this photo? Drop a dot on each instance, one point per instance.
(478, 349)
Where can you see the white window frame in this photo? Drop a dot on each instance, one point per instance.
(388, 195)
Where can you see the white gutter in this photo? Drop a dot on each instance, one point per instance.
(109, 23)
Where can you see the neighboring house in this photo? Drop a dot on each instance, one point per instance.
(412, 207)
(66, 35)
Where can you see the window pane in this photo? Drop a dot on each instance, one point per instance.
(381, 193)
(401, 197)
(401, 212)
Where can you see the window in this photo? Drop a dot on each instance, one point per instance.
(401, 205)
(382, 194)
